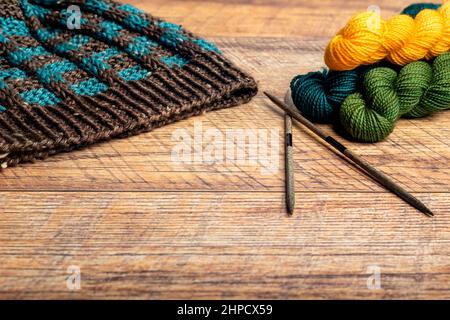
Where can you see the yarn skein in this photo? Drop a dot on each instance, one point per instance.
(367, 39)
(420, 88)
(319, 95)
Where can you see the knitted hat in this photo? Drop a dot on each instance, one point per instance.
(118, 72)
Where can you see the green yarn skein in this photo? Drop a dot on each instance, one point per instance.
(419, 89)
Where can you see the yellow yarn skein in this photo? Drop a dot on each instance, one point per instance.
(367, 39)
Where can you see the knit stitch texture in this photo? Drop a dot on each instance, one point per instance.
(120, 73)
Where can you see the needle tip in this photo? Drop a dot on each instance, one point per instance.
(290, 200)
(272, 98)
(290, 210)
(420, 206)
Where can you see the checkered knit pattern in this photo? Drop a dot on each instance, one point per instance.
(121, 72)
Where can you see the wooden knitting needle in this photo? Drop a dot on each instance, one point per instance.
(374, 173)
(289, 165)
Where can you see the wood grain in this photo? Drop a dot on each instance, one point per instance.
(144, 162)
(280, 18)
(220, 245)
(140, 225)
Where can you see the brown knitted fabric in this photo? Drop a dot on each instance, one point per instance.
(120, 73)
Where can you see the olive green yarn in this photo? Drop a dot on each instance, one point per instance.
(364, 123)
(419, 89)
(412, 83)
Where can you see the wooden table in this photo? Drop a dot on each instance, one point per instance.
(139, 225)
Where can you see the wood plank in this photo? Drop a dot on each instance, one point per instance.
(221, 245)
(285, 18)
(140, 225)
(417, 154)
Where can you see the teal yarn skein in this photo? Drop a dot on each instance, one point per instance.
(319, 95)
(419, 89)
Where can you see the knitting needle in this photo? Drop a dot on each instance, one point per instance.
(289, 165)
(374, 173)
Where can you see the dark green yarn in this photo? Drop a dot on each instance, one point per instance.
(374, 123)
(356, 116)
(319, 95)
(326, 89)
(419, 89)
(415, 8)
